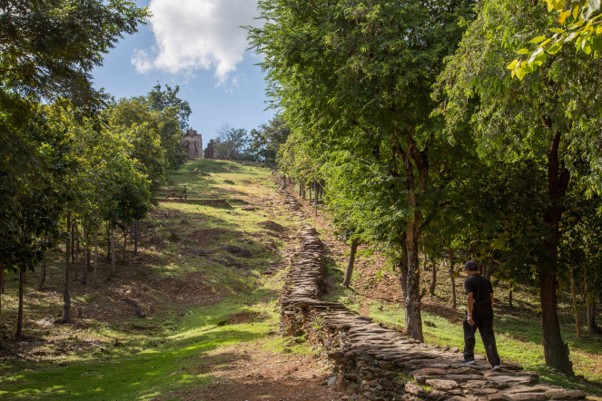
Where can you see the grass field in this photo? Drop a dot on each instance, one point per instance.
(200, 279)
(199, 275)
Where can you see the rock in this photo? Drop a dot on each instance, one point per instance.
(562, 394)
(415, 389)
(525, 397)
(442, 385)
(436, 396)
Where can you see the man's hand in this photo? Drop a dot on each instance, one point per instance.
(470, 321)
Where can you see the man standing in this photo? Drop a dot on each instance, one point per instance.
(479, 305)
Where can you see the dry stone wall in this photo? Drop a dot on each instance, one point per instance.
(377, 363)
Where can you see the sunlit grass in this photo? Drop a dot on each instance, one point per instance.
(172, 353)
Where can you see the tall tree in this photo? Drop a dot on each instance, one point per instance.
(356, 75)
(539, 121)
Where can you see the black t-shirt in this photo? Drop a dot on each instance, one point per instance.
(481, 289)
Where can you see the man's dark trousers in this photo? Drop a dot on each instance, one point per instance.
(483, 320)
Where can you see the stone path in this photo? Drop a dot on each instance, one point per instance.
(377, 363)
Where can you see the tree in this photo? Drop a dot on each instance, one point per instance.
(231, 143)
(266, 141)
(49, 48)
(29, 207)
(174, 123)
(356, 76)
(579, 21)
(539, 121)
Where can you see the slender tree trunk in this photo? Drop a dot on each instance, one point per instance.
(433, 286)
(136, 231)
(452, 278)
(1, 277)
(510, 298)
(112, 249)
(413, 162)
(66, 287)
(403, 266)
(349, 271)
(72, 228)
(575, 304)
(1, 285)
(125, 243)
(43, 269)
(555, 350)
(19, 333)
(95, 273)
(108, 241)
(88, 257)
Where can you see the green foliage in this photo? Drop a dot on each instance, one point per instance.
(578, 21)
(50, 48)
(232, 144)
(267, 140)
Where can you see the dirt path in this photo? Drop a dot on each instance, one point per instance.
(248, 372)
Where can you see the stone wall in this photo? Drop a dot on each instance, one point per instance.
(377, 363)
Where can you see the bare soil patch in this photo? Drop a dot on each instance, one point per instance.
(249, 372)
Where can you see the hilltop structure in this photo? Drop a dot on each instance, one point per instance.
(193, 144)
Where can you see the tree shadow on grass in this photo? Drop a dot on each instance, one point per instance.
(133, 377)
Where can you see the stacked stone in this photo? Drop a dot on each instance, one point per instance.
(383, 364)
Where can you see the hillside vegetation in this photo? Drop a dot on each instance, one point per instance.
(206, 279)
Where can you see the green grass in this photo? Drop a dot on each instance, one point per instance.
(518, 340)
(152, 371)
(142, 359)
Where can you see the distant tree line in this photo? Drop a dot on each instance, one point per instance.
(260, 145)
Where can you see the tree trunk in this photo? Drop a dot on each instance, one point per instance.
(1, 278)
(403, 266)
(73, 224)
(95, 273)
(43, 274)
(510, 297)
(412, 296)
(19, 333)
(555, 350)
(125, 243)
(88, 260)
(575, 304)
(349, 271)
(452, 278)
(136, 231)
(112, 249)
(66, 288)
(592, 326)
(1, 285)
(108, 241)
(433, 286)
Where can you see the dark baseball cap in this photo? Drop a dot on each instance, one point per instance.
(471, 265)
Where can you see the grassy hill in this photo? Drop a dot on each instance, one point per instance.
(199, 280)
(194, 316)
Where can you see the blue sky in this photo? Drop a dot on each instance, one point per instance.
(198, 45)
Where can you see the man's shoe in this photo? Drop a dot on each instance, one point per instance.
(495, 367)
(469, 362)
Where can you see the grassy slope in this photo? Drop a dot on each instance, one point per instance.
(169, 354)
(518, 331)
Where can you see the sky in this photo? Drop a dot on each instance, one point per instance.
(200, 46)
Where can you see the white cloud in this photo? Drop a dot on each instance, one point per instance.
(197, 34)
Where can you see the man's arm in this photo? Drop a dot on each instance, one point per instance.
(491, 297)
(469, 308)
